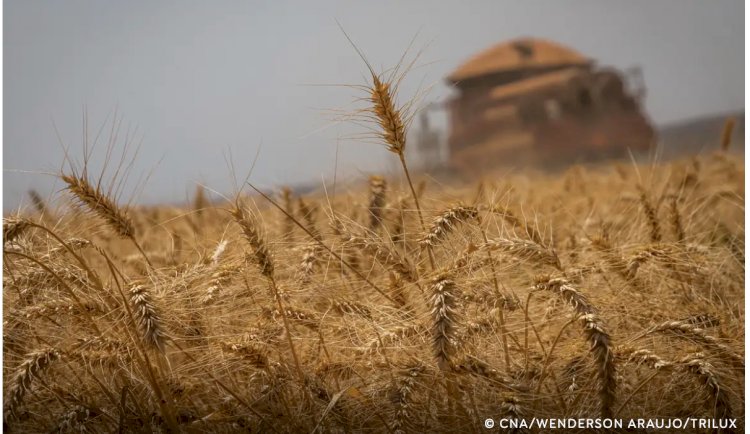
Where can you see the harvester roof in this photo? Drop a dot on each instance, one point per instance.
(518, 54)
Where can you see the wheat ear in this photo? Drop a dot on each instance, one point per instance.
(701, 368)
(524, 249)
(401, 397)
(101, 205)
(147, 318)
(444, 321)
(651, 215)
(377, 201)
(599, 339)
(393, 133)
(13, 228)
(446, 222)
(261, 253)
(32, 367)
(676, 219)
(264, 261)
(689, 331)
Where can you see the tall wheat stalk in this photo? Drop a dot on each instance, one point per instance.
(265, 264)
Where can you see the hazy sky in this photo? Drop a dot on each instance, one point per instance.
(202, 78)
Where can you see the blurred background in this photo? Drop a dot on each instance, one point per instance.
(193, 85)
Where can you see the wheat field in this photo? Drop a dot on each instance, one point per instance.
(398, 305)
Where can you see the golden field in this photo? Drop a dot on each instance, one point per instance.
(401, 305)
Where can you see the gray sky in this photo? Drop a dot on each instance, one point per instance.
(200, 79)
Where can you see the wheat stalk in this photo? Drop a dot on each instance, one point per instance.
(308, 214)
(645, 357)
(393, 131)
(599, 339)
(511, 409)
(264, 261)
(388, 257)
(651, 214)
